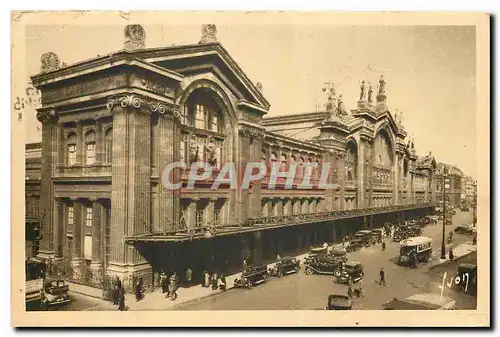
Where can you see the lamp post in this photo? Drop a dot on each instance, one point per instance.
(443, 247)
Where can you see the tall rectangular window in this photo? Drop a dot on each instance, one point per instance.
(215, 123)
(90, 154)
(199, 215)
(70, 215)
(200, 117)
(88, 217)
(35, 205)
(71, 154)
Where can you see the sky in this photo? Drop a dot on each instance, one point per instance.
(430, 70)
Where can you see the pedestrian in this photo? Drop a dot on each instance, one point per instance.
(214, 280)
(383, 245)
(474, 239)
(360, 291)
(138, 290)
(245, 263)
(121, 299)
(173, 286)
(278, 257)
(117, 289)
(189, 277)
(163, 282)
(382, 276)
(206, 279)
(450, 254)
(349, 291)
(222, 283)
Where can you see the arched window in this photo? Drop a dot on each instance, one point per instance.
(71, 146)
(203, 111)
(283, 163)
(90, 148)
(108, 146)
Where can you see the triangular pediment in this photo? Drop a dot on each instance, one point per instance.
(213, 58)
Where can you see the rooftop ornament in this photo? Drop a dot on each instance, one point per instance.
(208, 33)
(135, 37)
(49, 62)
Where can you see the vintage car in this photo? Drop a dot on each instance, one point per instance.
(351, 271)
(55, 293)
(286, 265)
(34, 294)
(365, 236)
(377, 235)
(339, 302)
(339, 252)
(424, 301)
(414, 230)
(421, 245)
(252, 275)
(466, 279)
(355, 244)
(464, 229)
(327, 265)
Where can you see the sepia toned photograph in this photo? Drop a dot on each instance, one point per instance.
(263, 168)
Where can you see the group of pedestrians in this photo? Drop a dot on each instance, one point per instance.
(169, 285)
(118, 293)
(214, 280)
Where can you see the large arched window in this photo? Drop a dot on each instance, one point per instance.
(108, 146)
(382, 159)
(71, 148)
(90, 148)
(202, 112)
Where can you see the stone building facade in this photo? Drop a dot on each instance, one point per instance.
(111, 124)
(455, 176)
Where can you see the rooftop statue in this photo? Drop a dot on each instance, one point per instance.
(49, 62)
(362, 95)
(135, 37)
(208, 33)
(370, 94)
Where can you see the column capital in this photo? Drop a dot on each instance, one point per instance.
(93, 199)
(72, 198)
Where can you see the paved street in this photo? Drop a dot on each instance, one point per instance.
(300, 291)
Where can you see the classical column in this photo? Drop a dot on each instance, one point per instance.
(191, 212)
(49, 119)
(210, 210)
(131, 172)
(61, 144)
(361, 175)
(76, 254)
(97, 225)
(395, 178)
(58, 228)
(80, 144)
(99, 141)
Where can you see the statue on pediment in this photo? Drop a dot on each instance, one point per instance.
(259, 87)
(362, 94)
(370, 94)
(208, 33)
(342, 110)
(49, 62)
(135, 37)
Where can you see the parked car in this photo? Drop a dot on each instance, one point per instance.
(464, 229)
(351, 270)
(55, 293)
(467, 276)
(327, 265)
(252, 275)
(339, 302)
(285, 266)
(424, 301)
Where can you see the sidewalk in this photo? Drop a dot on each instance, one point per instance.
(458, 252)
(156, 300)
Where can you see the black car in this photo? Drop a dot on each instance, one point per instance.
(351, 271)
(324, 265)
(339, 302)
(464, 229)
(252, 275)
(287, 265)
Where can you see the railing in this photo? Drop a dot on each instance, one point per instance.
(332, 215)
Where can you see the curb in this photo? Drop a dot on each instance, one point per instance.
(454, 260)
